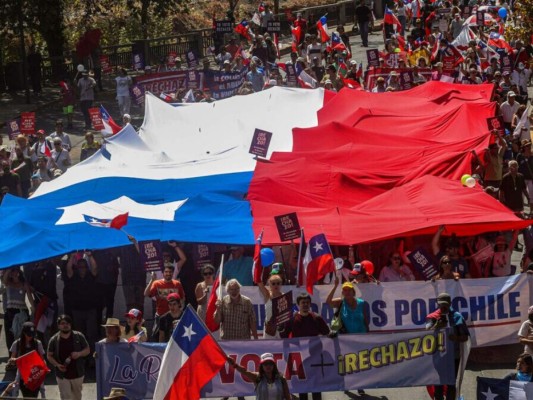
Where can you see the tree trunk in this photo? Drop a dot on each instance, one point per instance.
(51, 28)
(144, 18)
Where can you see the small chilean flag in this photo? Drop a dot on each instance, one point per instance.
(110, 125)
(318, 260)
(322, 26)
(117, 222)
(192, 358)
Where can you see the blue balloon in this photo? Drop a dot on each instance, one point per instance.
(267, 257)
(502, 12)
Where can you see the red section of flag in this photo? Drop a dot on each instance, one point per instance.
(242, 29)
(46, 150)
(32, 369)
(40, 312)
(211, 307)
(258, 267)
(119, 221)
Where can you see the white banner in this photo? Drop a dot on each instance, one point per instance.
(493, 308)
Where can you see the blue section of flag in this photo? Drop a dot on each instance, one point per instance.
(492, 389)
(189, 332)
(105, 115)
(335, 38)
(323, 20)
(319, 246)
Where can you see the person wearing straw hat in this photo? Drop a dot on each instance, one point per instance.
(113, 332)
(116, 394)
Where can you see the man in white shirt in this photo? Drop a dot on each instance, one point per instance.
(508, 109)
(65, 138)
(60, 158)
(520, 77)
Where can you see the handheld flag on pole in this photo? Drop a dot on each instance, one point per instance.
(117, 222)
(32, 369)
(318, 260)
(192, 358)
(216, 293)
(110, 126)
(322, 26)
(257, 269)
(299, 268)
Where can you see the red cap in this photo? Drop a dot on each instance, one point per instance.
(134, 313)
(173, 297)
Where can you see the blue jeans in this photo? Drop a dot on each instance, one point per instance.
(403, 22)
(363, 30)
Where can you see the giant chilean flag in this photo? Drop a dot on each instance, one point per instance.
(192, 358)
(318, 260)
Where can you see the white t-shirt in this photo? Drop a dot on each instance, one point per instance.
(526, 331)
(501, 263)
(123, 85)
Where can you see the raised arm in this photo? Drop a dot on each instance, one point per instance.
(253, 376)
(93, 266)
(333, 303)
(70, 266)
(436, 239)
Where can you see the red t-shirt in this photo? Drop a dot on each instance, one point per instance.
(161, 289)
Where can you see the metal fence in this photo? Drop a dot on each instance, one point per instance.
(199, 41)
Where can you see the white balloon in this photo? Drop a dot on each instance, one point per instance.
(80, 68)
(339, 263)
(470, 182)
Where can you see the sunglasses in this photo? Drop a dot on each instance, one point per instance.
(446, 262)
(208, 273)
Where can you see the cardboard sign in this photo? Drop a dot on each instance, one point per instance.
(291, 75)
(496, 123)
(260, 143)
(137, 93)
(505, 63)
(137, 61)
(192, 60)
(444, 11)
(201, 255)
(96, 119)
(288, 226)
(274, 27)
(282, 308)
(406, 80)
(480, 18)
(223, 26)
(151, 256)
(391, 60)
(448, 63)
(27, 123)
(372, 56)
(105, 64)
(423, 262)
(13, 129)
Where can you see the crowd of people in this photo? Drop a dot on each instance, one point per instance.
(90, 278)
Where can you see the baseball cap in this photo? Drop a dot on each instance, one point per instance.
(267, 357)
(173, 297)
(28, 328)
(511, 94)
(134, 313)
(444, 298)
(347, 285)
(227, 62)
(353, 62)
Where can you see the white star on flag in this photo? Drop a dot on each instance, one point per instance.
(318, 247)
(189, 332)
(489, 395)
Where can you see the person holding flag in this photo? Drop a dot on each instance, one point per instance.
(25, 345)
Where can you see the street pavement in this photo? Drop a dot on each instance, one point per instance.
(489, 362)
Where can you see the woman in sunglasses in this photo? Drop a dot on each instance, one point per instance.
(203, 289)
(396, 271)
(270, 292)
(446, 269)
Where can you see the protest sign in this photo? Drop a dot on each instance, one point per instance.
(151, 257)
(391, 60)
(224, 84)
(13, 129)
(96, 118)
(192, 79)
(406, 80)
(137, 61)
(288, 226)
(260, 143)
(480, 18)
(274, 27)
(448, 62)
(423, 262)
(105, 64)
(163, 82)
(171, 58)
(344, 363)
(137, 94)
(27, 123)
(292, 78)
(223, 26)
(192, 59)
(496, 123)
(372, 57)
(505, 63)
(375, 73)
(282, 308)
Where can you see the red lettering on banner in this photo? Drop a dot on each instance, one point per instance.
(227, 374)
(295, 367)
(245, 360)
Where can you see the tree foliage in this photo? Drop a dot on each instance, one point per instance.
(522, 26)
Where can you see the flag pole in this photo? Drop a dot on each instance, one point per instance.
(298, 283)
(220, 270)
(201, 321)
